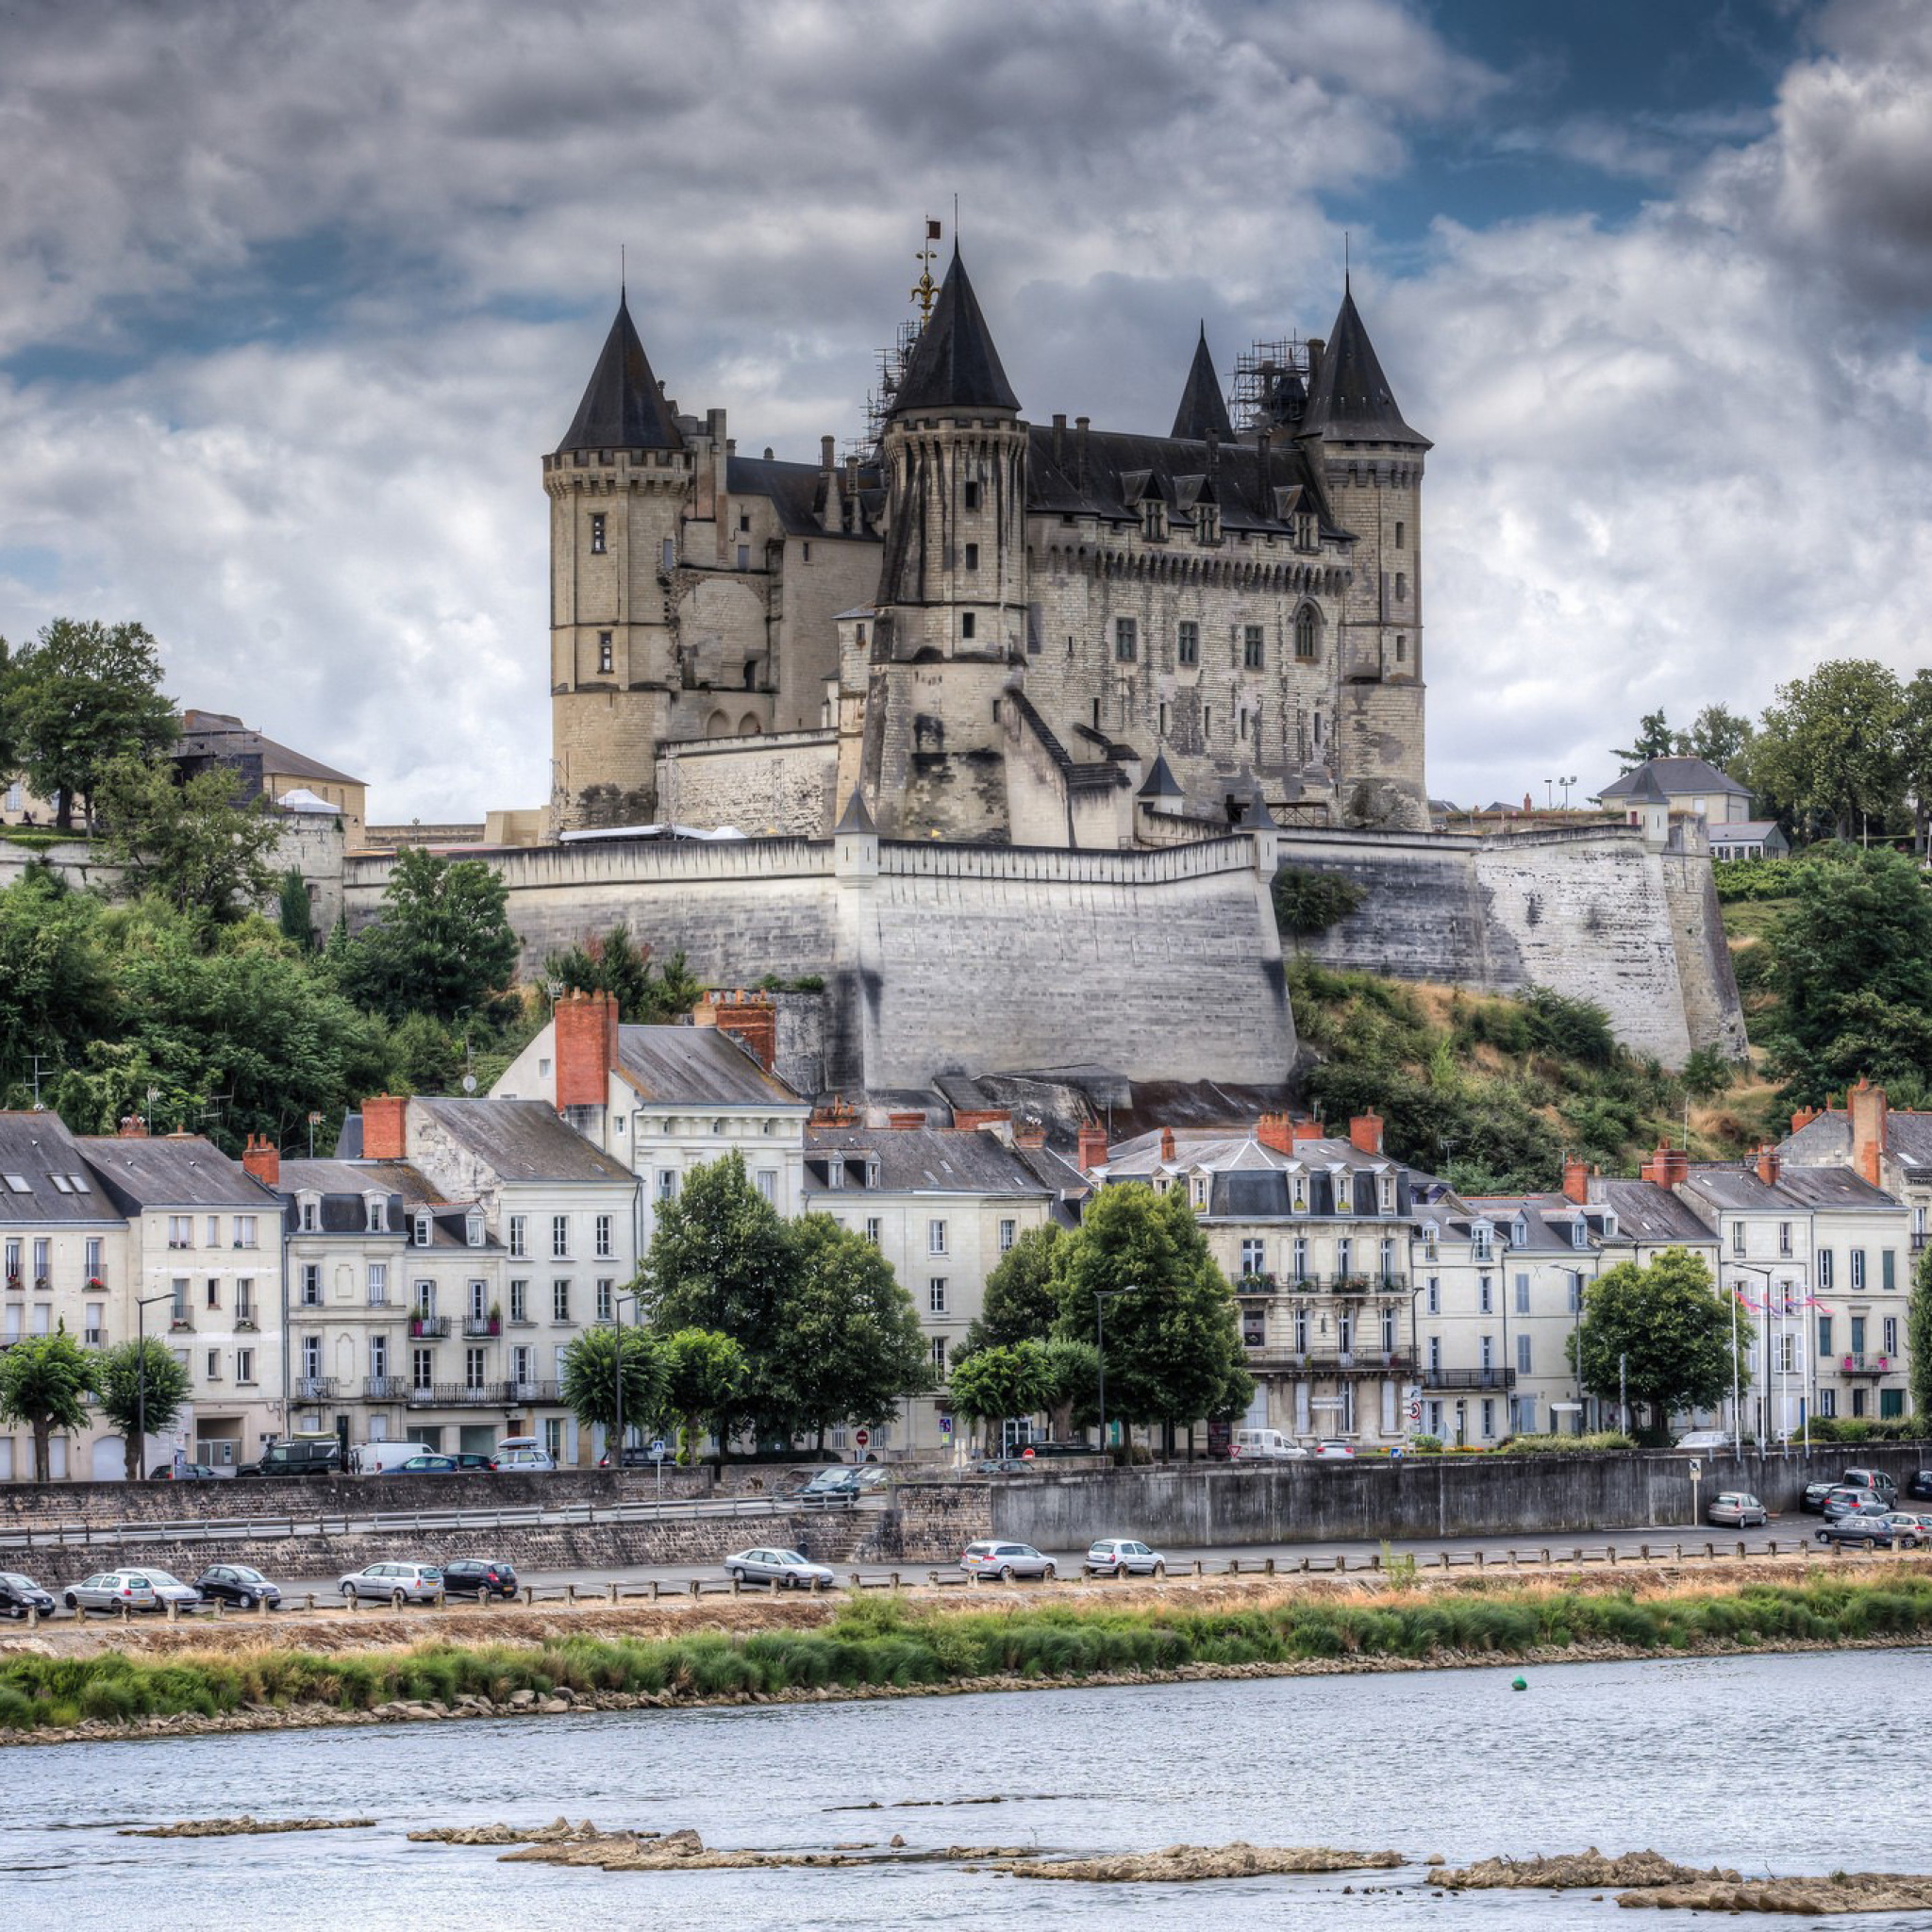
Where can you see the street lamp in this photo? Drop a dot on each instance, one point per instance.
(636, 1296)
(1101, 1297)
(1784, 1297)
(142, 1304)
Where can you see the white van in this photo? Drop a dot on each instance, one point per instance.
(520, 1452)
(378, 1458)
(1265, 1445)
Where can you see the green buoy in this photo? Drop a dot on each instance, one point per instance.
(1519, 1684)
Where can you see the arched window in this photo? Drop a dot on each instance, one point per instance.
(1305, 633)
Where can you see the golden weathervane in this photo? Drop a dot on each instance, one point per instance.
(925, 289)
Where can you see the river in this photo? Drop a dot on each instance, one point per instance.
(1801, 1763)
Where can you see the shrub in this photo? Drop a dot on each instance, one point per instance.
(1426, 1445)
(1307, 902)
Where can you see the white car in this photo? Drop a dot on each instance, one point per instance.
(781, 1568)
(1334, 1451)
(397, 1583)
(521, 1451)
(1706, 1439)
(1121, 1556)
(134, 1590)
(1006, 1560)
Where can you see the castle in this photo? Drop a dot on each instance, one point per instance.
(991, 630)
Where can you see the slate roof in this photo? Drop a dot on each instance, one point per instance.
(1646, 1212)
(523, 1140)
(1160, 782)
(623, 407)
(214, 735)
(1349, 400)
(34, 1147)
(797, 494)
(1674, 777)
(1248, 1181)
(1827, 1140)
(1744, 832)
(180, 1171)
(1741, 1189)
(1202, 411)
(696, 1066)
(855, 818)
(396, 1178)
(944, 1161)
(954, 363)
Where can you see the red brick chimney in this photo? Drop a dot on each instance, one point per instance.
(1029, 1134)
(586, 1049)
(1804, 1117)
(1273, 1130)
(1167, 1143)
(747, 1016)
(384, 1135)
(1770, 1164)
(133, 1127)
(1307, 1130)
(1669, 1166)
(905, 1119)
(264, 1160)
(1365, 1133)
(1092, 1149)
(973, 1118)
(1576, 1180)
(1866, 1105)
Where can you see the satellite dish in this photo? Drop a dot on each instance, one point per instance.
(469, 1083)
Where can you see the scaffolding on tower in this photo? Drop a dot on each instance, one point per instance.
(1271, 385)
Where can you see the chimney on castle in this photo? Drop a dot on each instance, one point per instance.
(828, 462)
(1059, 439)
(264, 1160)
(1870, 1120)
(1365, 1133)
(1092, 1149)
(1576, 1180)
(1316, 349)
(1080, 452)
(385, 1135)
(1030, 1134)
(585, 1047)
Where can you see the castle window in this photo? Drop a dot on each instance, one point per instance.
(1318, 727)
(1401, 587)
(1252, 647)
(1207, 524)
(1305, 633)
(1398, 536)
(744, 557)
(805, 552)
(1401, 648)
(973, 557)
(972, 495)
(1096, 714)
(1207, 721)
(605, 657)
(597, 533)
(1189, 644)
(744, 520)
(966, 625)
(1126, 639)
(671, 553)
(1163, 722)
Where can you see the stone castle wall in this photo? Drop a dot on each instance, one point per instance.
(781, 782)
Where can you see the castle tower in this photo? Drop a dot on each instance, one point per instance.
(1372, 466)
(617, 483)
(1203, 413)
(951, 608)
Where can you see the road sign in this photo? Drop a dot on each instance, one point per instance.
(861, 1437)
(945, 1426)
(1696, 1469)
(1415, 1411)
(657, 1449)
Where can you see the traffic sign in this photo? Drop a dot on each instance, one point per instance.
(861, 1437)
(1415, 1411)
(1696, 1469)
(945, 1426)
(657, 1449)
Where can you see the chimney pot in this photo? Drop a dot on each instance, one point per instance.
(1275, 1130)
(1092, 1148)
(385, 1132)
(1576, 1180)
(586, 1049)
(264, 1160)
(1365, 1133)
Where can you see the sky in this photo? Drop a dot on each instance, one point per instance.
(293, 298)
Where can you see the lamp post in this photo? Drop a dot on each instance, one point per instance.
(1101, 1297)
(1784, 1303)
(636, 1296)
(142, 1304)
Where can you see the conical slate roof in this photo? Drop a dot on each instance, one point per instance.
(1202, 412)
(623, 407)
(855, 818)
(1350, 400)
(953, 364)
(1161, 782)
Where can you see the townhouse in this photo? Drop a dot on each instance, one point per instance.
(1887, 1145)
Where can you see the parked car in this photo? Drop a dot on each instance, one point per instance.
(185, 1473)
(299, 1456)
(479, 1577)
(1264, 1445)
(1840, 1502)
(1006, 1561)
(1736, 1509)
(830, 1489)
(1706, 1439)
(424, 1465)
(400, 1583)
(637, 1456)
(521, 1451)
(1116, 1555)
(1923, 1519)
(1889, 1527)
(1921, 1484)
(1873, 1479)
(19, 1594)
(237, 1584)
(1001, 1465)
(1334, 1450)
(382, 1459)
(781, 1568)
(139, 1589)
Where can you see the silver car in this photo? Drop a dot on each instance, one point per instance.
(781, 1568)
(136, 1590)
(1006, 1561)
(1121, 1556)
(398, 1583)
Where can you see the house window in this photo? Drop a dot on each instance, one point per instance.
(480, 1301)
(939, 1356)
(1522, 1294)
(425, 1298)
(1252, 647)
(560, 1301)
(426, 1230)
(1433, 1298)
(667, 1184)
(606, 654)
(1187, 648)
(1435, 1357)
(1254, 1257)
(244, 1231)
(1828, 1402)
(473, 1228)
(604, 1227)
(473, 1361)
(1784, 1246)
(1858, 1271)
(1576, 1293)
(92, 1262)
(1857, 1327)
(1126, 639)
(597, 533)
(519, 1301)
(1824, 1335)
(1305, 633)
(377, 1212)
(1479, 1241)
(311, 1284)
(311, 1216)
(934, 1237)
(1486, 1350)
(1484, 1297)
(559, 1236)
(936, 1295)
(1008, 1230)
(378, 1355)
(1891, 1402)
(1523, 1354)
(973, 557)
(181, 1229)
(245, 1302)
(972, 495)
(214, 1292)
(1344, 1256)
(607, 1299)
(1888, 1270)
(1737, 1237)
(766, 1180)
(214, 1230)
(244, 1365)
(1891, 1337)
(872, 1229)
(1300, 1261)
(966, 625)
(421, 1368)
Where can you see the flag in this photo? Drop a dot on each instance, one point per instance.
(932, 230)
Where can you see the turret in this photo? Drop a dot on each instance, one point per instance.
(1203, 414)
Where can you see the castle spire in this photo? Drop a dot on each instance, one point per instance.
(1202, 413)
(1349, 400)
(623, 407)
(954, 363)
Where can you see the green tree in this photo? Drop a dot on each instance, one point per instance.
(1173, 1338)
(1072, 1393)
(1666, 1327)
(706, 1373)
(128, 1404)
(443, 945)
(426, 1057)
(1915, 754)
(56, 981)
(86, 694)
(1019, 1303)
(1851, 962)
(1719, 736)
(45, 1382)
(1919, 1338)
(613, 962)
(852, 1347)
(1307, 902)
(591, 1365)
(187, 842)
(1654, 739)
(1830, 750)
(722, 1259)
(996, 1384)
(293, 909)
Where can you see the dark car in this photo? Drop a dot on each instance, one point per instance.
(1875, 1480)
(1921, 1484)
(237, 1584)
(636, 1455)
(303, 1456)
(184, 1472)
(1892, 1529)
(19, 1594)
(1840, 1502)
(480, 1577)
(426, 1465)
(467, 1462)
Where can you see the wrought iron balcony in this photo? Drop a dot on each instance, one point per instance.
(482, 1324)
(315, 1388)
(1487, 1379)
(1870, 1364)
(1333, 1361)
(385, 1388)
(462, 1396)
(429, 1328)
(535, 1392)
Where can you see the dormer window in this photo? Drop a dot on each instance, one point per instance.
(872, 1173)
(1579, 1232)
(472, 1229)
(1482, 1239)
(835, 1174)
(310, 1214)
(1519, 1232)
(378, 1211)
(1153, 515)
(426, 1230)
(1208, 524)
